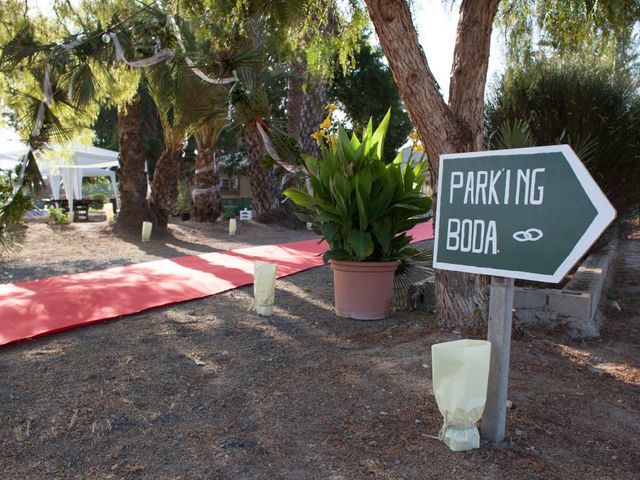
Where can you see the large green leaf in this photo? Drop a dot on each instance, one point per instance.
(361, 243)
(382, 231)
(330, 231)
(362, 213)
(299, 197)
(305, 217)
(345, 145)
(336, 254)
(355, 143)
(379, 204)
(363, 183)
(331, 216)
(338, 197)
(311, 164)
(381, 131)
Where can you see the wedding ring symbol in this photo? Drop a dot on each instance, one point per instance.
(531, 235)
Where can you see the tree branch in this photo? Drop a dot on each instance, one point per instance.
(470, 64)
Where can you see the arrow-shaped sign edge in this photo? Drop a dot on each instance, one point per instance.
(606, 214)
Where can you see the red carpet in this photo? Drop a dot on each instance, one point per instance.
(48, 305)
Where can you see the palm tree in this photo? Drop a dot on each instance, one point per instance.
(207, 201)
(185, 103)
(133, 180)
(252, 112)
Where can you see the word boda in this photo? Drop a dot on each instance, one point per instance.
(489, 187)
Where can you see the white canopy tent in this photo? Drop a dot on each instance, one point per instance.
(63, 166)
(84, 161)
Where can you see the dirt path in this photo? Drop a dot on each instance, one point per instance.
(83, 246)
(209, 390)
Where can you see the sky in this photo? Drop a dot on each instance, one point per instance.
(436, 25)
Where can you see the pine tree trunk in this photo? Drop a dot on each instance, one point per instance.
(133, 179)
(264, 190)
(315, 96)
(206, 206)
(164, 188)
(295, 99)
(312, 114)
(457, 127)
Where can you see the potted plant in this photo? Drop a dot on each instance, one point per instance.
(363, 207)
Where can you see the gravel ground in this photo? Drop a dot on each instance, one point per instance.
(209, 390)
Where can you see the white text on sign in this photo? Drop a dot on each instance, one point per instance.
(497, 187)
(489, 187)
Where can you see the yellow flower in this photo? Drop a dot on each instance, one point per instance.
(332, 138)
(331, 107)
(317, 135)
(419, 148)
(326, 123)
(414, 136)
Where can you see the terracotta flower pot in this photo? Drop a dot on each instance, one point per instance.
(363, 290)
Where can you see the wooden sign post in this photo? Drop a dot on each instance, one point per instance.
(528, 213)
(499, 334)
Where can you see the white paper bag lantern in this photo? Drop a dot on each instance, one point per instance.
(233, 226)
(460, 378)
(264, 285)
(108, 210)
(146, 231)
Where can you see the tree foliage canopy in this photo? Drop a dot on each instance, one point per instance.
(368, 91)
(586, 28)
(583, 105)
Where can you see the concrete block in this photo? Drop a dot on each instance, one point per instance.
(575, 307)
(571, 304)
(529, 298)
(539, 317)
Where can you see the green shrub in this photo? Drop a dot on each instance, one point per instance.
(14, 212)
(58, 216)
(94, 185)
(230, 211)
(98, 200)
(183, 202)
(11, 215)
(585, 106)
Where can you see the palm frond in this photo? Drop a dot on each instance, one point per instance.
(412, 269)
(12, 237)
(81, 85)
(585, 146)
(184, 102)
(22, 47)
(32, 177)
(514, 135)
(52, 128)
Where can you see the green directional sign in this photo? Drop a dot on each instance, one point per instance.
(527, 213)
